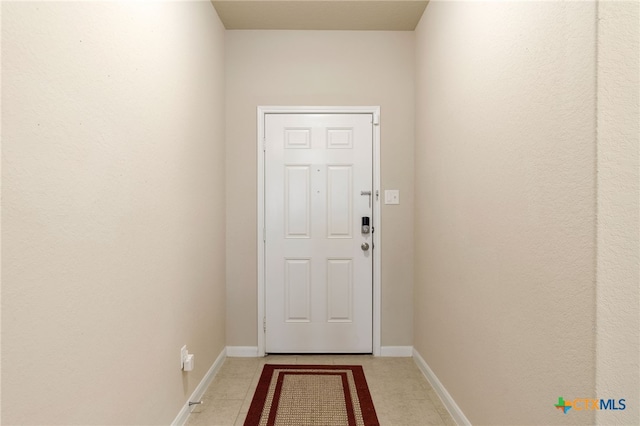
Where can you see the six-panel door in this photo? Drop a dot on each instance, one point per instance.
(318, 277)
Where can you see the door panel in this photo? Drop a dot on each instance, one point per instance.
(339, 202)
(297, 282)
(339, 290)
(318, 279)
(297, 200)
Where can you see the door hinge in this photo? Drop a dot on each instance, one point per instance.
(264, 324)
(264, 144)
(376, 119)
(264, 235)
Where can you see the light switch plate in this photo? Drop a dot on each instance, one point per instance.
(392, 196)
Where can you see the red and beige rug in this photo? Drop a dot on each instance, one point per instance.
(297, 395)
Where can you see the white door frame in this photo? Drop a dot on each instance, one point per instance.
(375, 112)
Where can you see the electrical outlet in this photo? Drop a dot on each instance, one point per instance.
(183, 356)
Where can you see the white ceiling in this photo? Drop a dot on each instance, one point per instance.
(363, 15)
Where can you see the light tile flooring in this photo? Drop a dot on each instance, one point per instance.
(401, 394)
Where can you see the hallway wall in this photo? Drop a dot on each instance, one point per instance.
(113, 225)
(618, 289)
(505, 206)
(320, 68)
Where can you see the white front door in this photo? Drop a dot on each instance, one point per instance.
(318, 269)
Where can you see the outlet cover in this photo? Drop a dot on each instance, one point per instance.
(392, 196)
(183, 356)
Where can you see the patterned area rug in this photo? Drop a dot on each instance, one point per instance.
(297, 395)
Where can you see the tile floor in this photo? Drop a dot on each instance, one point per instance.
(401, 394)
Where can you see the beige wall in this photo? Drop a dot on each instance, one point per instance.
(618, 341)
(505, 206)
(113, 230)
(319, 68)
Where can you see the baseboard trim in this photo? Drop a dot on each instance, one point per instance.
(397, 351)
(242, 351)
(455, 411)
(197, 394)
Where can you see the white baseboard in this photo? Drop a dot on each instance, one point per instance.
(447, 400)
(242, 351)
(184, 413)
(399, 351)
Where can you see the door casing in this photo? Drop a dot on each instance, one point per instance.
(375, 112)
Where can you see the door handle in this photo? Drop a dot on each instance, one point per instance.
(364, 246)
